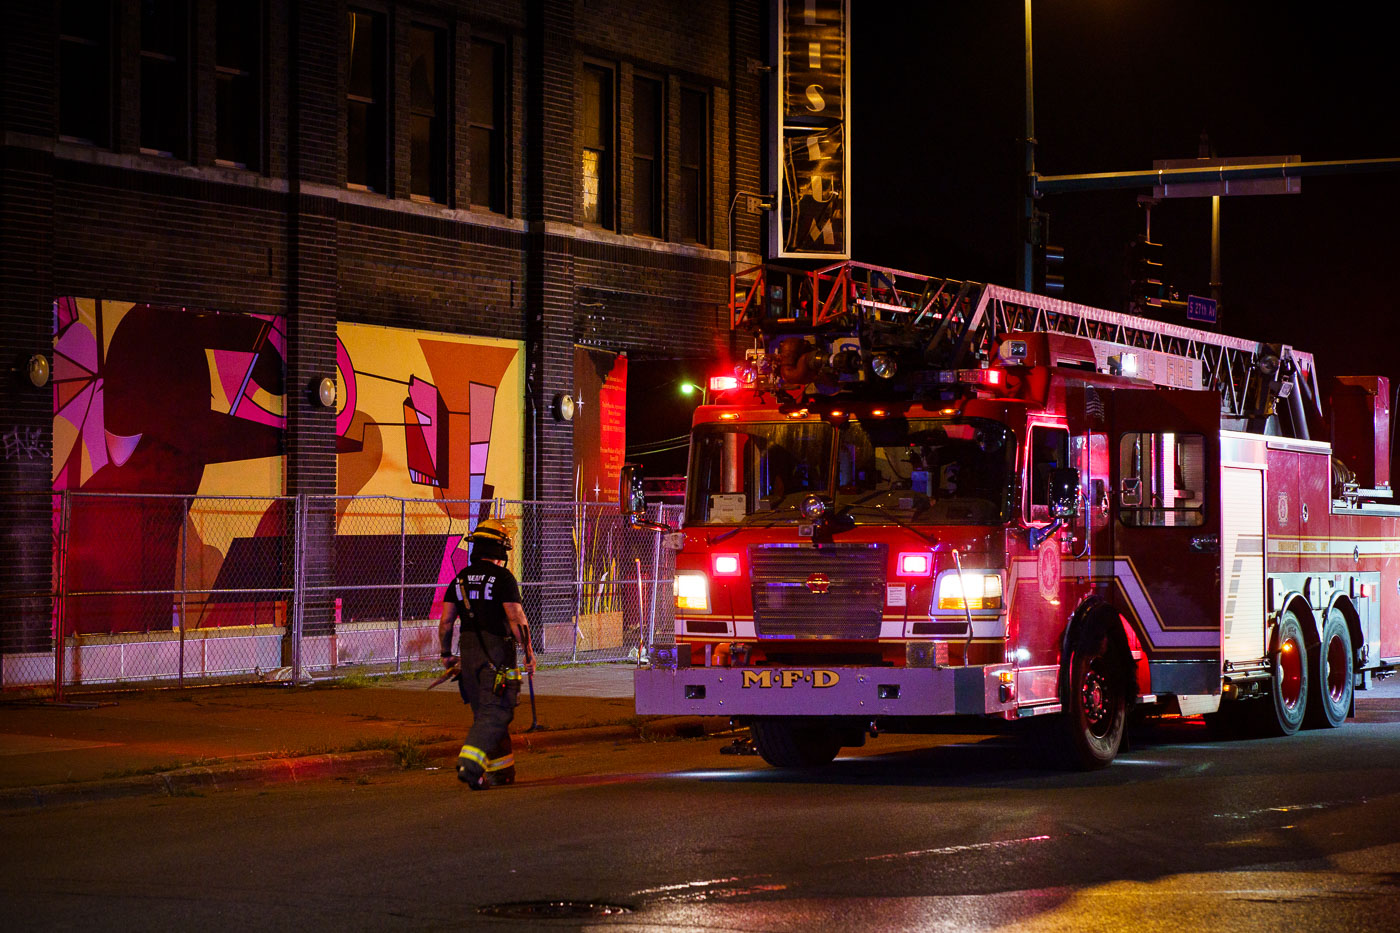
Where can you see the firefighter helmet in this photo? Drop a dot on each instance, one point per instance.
(490, 530)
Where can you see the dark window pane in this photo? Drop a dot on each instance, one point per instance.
(647, 146)
(238, 74)
(693, 202)
(644, 213)
(366, 156)
(165, 111)
(84, 66)
(479, 145)
(428, 162)
(486, 117)
(646, 104)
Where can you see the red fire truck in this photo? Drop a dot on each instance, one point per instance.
(924, 498)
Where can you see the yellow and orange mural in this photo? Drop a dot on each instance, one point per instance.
(178, 417)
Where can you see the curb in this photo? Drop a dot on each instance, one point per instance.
(188, 781)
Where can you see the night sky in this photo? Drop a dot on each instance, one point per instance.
(938, 115)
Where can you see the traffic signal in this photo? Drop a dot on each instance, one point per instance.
(1053, 266)
(1145, 272)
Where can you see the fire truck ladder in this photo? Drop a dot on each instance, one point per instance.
(956, 323)
(1249, 376)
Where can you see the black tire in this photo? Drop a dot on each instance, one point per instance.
(1329, 702)
(790, 743)
(1094, 699)
(1288, 687)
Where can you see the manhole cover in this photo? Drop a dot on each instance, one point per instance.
(552, 910)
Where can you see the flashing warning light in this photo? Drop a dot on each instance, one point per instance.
(981, 377)
(723, 383)
(726, 565)
(915, 564)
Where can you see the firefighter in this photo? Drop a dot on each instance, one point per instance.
(486, 598)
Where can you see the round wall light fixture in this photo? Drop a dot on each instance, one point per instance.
(38, 370)
(325, 392)
(564, 406)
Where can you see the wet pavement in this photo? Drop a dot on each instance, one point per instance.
(121, 744)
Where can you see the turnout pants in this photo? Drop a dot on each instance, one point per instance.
(488, 747)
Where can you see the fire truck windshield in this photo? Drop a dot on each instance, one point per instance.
(927, 470)
(934, 471)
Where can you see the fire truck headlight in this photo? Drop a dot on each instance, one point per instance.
(983, 590)
(692, 591)
(883, 365)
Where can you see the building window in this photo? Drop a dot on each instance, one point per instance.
(486, 124)
(237, 69)
(165, 110)
(647, 127)
(596, 170)
(427, 98)
(85, 71)
(366, 156)
(692, 205)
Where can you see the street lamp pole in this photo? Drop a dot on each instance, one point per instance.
(1028, 208)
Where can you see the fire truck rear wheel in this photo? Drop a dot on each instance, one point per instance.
(1289, 686)
(1095, 701)
(790, 743)
(1329, 704)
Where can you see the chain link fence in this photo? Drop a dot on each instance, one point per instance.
(166, 590)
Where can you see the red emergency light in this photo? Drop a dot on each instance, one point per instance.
(725, 565)
(723, 383)
(915, 564)
(984, 377)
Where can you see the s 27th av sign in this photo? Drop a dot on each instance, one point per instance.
(789, 678)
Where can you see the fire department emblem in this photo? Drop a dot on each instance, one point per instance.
(1048, 571)
(1283, 508)
(819, 583)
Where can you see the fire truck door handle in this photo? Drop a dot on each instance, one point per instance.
(1206, 544)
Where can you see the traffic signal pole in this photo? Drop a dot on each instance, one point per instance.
(1027, 273)
(1104, 181)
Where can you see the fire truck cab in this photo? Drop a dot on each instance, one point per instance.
(954, 501)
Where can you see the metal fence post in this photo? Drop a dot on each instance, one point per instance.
(403, 560)
(655, 580)
(65, 513)
(184, 563)
(298, 582)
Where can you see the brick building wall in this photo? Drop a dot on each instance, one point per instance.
(292, 238)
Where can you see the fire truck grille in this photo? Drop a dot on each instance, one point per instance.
(800, 591)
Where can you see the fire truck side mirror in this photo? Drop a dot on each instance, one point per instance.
(630, 493)
(1064, 492)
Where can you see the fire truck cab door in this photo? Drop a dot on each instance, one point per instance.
(1164, 511)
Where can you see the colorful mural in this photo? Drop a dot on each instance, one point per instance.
(176, 407)
(167, 403)
(423, 416)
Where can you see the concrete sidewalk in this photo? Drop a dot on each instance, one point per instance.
(119, 744)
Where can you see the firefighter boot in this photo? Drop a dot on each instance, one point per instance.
(501, 778)
(469, 771)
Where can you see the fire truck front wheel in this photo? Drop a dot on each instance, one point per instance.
(1095, 700)
(792, 743)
